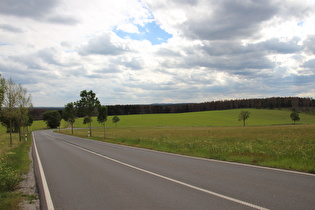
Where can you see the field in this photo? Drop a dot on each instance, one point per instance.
(269, 139)
(226, 118)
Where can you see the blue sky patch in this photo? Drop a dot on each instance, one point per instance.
(151, 32)
(301, 23)
(4, 44)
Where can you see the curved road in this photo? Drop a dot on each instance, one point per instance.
(75, 173)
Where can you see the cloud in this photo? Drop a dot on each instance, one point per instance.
(130, 51)
(63, 20)
(213, 20)
(28, 8)
(10, 28)
(105, 44)
(310, 44)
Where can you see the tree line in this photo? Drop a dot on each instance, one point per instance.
(15, 105)
(294, 103)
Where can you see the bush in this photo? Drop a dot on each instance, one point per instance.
(52, 118)
(9, 178)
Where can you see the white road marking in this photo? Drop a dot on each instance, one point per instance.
(50, 205)
(172, 180)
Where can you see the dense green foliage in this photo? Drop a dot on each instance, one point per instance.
(88, 106)
(52, 118)
(296, 103)
(243, 116)
(69, 114)
(295, 116)
(115, 120)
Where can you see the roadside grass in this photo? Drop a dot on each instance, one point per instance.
(268, 139)
(287, 147)
(14, 162)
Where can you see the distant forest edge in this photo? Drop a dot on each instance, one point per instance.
(294, 103)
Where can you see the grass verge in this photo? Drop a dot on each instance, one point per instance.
(14, 162)
(287, 147)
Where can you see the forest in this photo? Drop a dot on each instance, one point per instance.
(294, 103)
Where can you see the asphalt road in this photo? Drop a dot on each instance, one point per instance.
(85, 174)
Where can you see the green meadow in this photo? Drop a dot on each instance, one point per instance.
(268, 139)
(226, 118)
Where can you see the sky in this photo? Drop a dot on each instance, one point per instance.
(166, 51)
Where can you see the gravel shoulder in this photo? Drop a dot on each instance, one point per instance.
(29, 190)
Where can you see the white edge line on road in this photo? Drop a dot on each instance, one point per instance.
(172, 180)
(50, 205)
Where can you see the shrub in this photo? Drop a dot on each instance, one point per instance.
(9, 178)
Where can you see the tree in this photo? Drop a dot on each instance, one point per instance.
(102, 117)
(25, 103)
(29, 121)
(295, 116)
(115, 120)
(243, 116)
(52, 118)
(16, 104)
(2, 90)
(10, 104)
(88, 106)
(69, 114)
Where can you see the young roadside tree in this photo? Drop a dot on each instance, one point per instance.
(69, 114)
(30, 121)
(11, 100)
(243, 116)
(295, 116)
(16, 104)
(52, 118)
(102, 117)
(25, 103)
(88, 106)
(115, 120)
(2, 90)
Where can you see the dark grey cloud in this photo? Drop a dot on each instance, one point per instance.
(235, 47)
(134, 64)
(310, 44)
(229, 19)
(27, 8)
(40, 10)
(310, 64)
(104, 45)
(220, 48)
(64, 20)
(10, 28)
(291, 85)
(277, 46)
(48, 55)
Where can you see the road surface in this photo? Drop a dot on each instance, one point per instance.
(75, 173)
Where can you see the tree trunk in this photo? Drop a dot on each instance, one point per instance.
(20, 134)
(90, 129)
(104, 131)
(10, 133)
